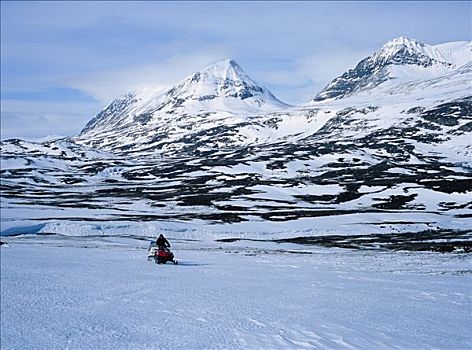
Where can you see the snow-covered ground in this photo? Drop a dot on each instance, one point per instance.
(100, 293)
(381, 161)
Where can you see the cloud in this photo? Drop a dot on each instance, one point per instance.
(107, 85)
(288, 77)
(302, 78)
(35, 119)
(296, 81)
(322, 67)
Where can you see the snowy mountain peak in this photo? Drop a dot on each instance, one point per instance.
(220, 93)
(224, 78)
(217, 73)
(403, 41)
(411, 56)
(403, 50)
(227, 68)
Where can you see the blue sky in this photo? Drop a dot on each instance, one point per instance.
(61, 62)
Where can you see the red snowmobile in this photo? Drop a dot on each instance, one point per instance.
(161, 255)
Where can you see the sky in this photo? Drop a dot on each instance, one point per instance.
(62, 62)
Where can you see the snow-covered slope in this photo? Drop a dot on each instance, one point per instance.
(403, 58)
(220, 107)
(392, 158)
(220, 94)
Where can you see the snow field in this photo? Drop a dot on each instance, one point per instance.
(76, 293)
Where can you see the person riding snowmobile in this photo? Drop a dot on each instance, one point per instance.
(162, 242)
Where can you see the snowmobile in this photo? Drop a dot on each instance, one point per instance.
(160, 255)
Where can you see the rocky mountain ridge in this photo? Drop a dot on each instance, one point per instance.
(376, 69)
